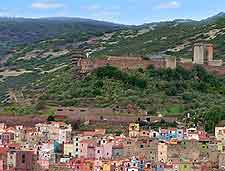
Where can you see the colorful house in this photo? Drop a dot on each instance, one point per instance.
(168, 134)
(68, 150)
(106, 166)
(180, 134)
(220, 133)
(76, 144)
(88, 165)
(185, 167)
(132, 165)
(162, 152)
(117, 151)
(134, 130)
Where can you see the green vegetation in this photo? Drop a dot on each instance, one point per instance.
(27, 31)
(168, 92)
(20, 110)
(174, 38)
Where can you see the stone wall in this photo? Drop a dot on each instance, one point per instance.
(124, 63)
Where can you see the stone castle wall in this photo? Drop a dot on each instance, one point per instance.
(125, 63)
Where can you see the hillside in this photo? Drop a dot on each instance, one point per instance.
(174, 38)
(23, 31)
(166, 92)
(41, 71)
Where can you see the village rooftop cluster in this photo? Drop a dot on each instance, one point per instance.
(56, 146)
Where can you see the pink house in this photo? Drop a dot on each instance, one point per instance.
(43, 164)
(1, 165)
(107, 150)
(91, 152)
(99, 152)
(84, 148)
(104, 150)
(97, 165)
(144, 133)
(77, 164)
(203, 136)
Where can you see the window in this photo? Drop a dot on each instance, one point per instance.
(76, 144)
(23, 158)
(98, 151)
(141, 146)
(76, 149)
(77, 139)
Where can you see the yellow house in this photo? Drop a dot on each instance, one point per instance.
(134, 130)
(106, 167)
(173, 141)
(68, 150)
(185, 167)
(220, 147)
(162, 152)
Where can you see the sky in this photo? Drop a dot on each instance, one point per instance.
(118, 11)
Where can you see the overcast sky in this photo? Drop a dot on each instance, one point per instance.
(119, 11)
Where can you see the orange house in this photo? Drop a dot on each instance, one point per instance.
(88, 165)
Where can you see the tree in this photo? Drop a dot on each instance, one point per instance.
(51, 118)
(213, 117)
(40, 105)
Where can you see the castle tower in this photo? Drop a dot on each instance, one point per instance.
(199, 53)
(210, 50)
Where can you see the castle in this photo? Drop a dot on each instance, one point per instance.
(203, 54)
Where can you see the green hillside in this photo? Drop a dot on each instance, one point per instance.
(167, 92)
(42, 68)
(23, 31)
(173, 38)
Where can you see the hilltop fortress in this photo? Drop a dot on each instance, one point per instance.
(202, 55)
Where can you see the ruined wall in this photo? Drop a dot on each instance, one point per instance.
(215, 63)
(22, 120)
(218, 70)
(171, 63)
(123, 63)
